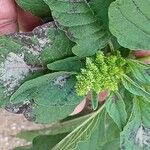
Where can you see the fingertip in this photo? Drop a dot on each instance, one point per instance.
(8, 17)
(27, 21)
(141, 53)
(103, 95)
(79, 108)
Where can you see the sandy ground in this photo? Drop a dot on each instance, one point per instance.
(10, 125)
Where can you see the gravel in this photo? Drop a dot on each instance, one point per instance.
(10, 125)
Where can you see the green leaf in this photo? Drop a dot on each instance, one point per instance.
(100, 9)
(105, 134)
(135, 88)
(129, 21)
(115, 107)
(37, 7)
(136, 134)
(94, 96)
(128, 100)
(48, 90)
(47, 142)
(44, 44)
(78, 21)
(49, 93)
(92, 134)
(44, 142)
(112, 145)
(81, 133)
(138, 62)
(25, 55)
(108, 132)
(55, 128)
(68, 64)
(50, 114)
(140, 72)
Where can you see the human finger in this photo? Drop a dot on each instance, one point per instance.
(8, 17)
(27, 21)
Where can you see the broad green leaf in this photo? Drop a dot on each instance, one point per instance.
(51, 94)
(26, 54)
(92, 134)
(46, 115)
(135, 88)
(115, 107)
(104, 134)
(128, 100)
(136, 134)
(44, 142)
(44, 44)
(110, 130)
(112, 145)
(139, 62)
(100, 9)
(140, 72)
(68, 64)
(78, 21)
(50, 114)
(129, 21)
(48, 90)
(55, 128)
(37, 7)
(47, 142)
(81, 133)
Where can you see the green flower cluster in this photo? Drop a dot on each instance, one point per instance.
(101, 73)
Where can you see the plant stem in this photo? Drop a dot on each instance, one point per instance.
(111, 46)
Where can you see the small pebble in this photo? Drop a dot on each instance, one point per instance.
(10, 125)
